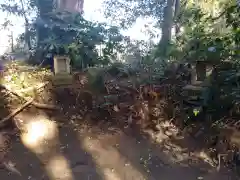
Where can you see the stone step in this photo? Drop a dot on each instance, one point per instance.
(62, 79)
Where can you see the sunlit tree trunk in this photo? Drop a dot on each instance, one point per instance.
(27, 34)
(176, 14)
(167, 26)
(44, 7)
(70, 5)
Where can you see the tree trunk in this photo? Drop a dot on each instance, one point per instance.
(176, 14)
(27, 37)
(167, 26)
(70, 5)
(27, 34)
(12, 45)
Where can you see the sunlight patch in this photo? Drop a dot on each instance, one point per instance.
(112, 164)
(58, 168)
(42, 138)
(110, 174)
(205, 157)
(40, 134)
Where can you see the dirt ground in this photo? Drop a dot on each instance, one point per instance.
(99, 154)
(106, 153)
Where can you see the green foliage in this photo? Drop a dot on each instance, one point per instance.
(67, 33)
(95, 77)
(205, 37)
(125, 13)
(79, 38)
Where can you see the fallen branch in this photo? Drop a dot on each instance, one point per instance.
(44, 106)
(14, 113)
(42, 85)
(36, 104)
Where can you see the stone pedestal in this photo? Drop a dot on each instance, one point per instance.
(62, 79)
(62, 71)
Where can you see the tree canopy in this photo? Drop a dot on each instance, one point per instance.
(190, 30)
(50, 31)
(197, 25)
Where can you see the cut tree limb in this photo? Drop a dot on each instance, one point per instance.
(15, 112)
(26, 90)
(37, 105)
(44, 106)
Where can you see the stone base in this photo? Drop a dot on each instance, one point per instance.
(62, 79)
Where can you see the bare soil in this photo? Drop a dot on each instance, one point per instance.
(102, 153)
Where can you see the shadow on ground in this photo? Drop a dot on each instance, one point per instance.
(130, 156)
(5, 103)
(126, 153)
(108, 153)
(93, 149)
(69, 150)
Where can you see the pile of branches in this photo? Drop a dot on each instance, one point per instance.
(145, 99)
(133, 97)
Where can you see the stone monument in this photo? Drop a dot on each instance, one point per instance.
(62, 70)
(62, 65)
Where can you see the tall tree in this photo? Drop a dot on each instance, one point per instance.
(163, 11)
(167, 25)
(70, 5)
(20, 8)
